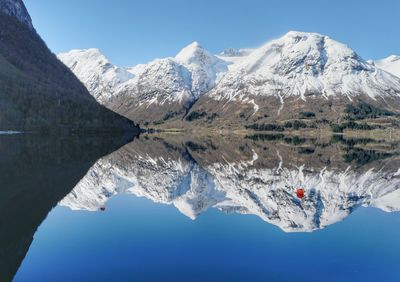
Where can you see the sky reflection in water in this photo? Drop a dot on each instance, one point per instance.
(226, 209)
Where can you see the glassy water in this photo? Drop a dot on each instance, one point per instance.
(169, 207)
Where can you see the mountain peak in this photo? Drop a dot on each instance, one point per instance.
(299, 63)
(96, 72)
(92, 51)
(205, 68)
(17, 9)
(86, 52)
(390, 64)
(304, 53)
(295, 33)
(392, 58)
(195, 44)
(192, 53)
(309, 42)
(89, 56)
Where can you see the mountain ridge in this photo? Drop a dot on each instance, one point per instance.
(254, 83)
(38, 92)
(17, 9)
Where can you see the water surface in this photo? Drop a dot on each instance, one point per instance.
(179, 208)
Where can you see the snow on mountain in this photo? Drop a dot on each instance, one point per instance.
(242, 186)
(232, 52)
(158, 82)
(204, 67)
(231, 56)
(95, 71)
(144, 173)
(271, 193)
(17, 9)
(182, 79)
(98, 185)
(163, 179)
(201, 194)
(389, 202)
(390, 64)
(295, 68)
(299, 63)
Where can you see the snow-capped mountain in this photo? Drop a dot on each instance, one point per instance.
(17, 9)
(161, 86)
(205, 68)
(95, 71)
(106, 81)
(390, 64)
(300, 63)
(170, 173)
(299, 72)
(331, 195)
(146, 169)
(158, 82)
(252, 83)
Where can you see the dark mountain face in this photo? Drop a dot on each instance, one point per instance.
(37, 92)
(16, 9)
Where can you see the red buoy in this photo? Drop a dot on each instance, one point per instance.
(300, 193)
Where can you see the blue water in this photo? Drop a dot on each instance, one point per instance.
(138, 240)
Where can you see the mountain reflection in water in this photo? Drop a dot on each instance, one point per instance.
(256, 174)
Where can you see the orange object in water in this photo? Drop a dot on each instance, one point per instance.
(300, 193)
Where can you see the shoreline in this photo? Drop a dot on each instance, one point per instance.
(10, 132)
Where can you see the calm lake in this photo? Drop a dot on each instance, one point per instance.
(171, 207)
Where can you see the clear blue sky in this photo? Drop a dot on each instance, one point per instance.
(132, 31)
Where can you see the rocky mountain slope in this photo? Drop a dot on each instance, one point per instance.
(279, 81)
(37, 91)
(301, 65)
(98, 75)
(16, 9)
(299, 73)
(242, 176)
(161, 89)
